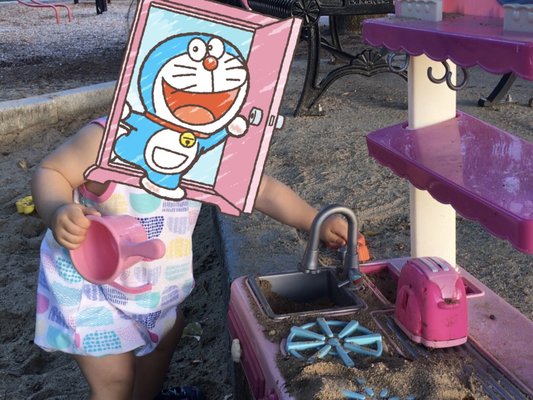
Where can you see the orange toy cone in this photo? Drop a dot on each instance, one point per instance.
(362, 249)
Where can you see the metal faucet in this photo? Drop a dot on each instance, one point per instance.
(310, 264)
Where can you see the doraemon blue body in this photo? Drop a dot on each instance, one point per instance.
(192, 88)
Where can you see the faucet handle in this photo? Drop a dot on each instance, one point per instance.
(363, 253)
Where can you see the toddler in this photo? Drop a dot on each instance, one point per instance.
(122, 341)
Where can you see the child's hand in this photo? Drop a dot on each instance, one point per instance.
(335, 235)
(70, 224)
(334, 232)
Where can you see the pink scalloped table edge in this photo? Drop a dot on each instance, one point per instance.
(466, 40)
(482, 171)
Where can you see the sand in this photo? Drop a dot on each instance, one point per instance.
(324, 159)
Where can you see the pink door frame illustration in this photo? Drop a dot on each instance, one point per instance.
(242, 158)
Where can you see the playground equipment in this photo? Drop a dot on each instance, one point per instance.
(446, 157)
(454, 162)
(53, 6)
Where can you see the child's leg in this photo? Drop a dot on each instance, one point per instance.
(109, 377)
(151, 369)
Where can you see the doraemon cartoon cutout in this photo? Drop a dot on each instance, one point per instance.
(197, 102)
(192, 87)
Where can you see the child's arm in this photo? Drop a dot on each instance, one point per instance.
(55, 179)
(281, 203)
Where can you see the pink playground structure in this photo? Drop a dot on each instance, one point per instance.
(54, 6)
(454, 163)
(486, 8)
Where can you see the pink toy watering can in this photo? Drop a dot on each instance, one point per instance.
(113, 244)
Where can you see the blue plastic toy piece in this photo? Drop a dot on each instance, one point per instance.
(348, 394)
(370, 394)
(335, 338)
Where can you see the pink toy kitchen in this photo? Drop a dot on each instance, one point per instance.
(425, 308)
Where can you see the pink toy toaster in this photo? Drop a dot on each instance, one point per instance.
(431, 303)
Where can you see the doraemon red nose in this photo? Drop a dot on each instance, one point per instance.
(210, 63)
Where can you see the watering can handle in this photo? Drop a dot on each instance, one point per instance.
(152, 249)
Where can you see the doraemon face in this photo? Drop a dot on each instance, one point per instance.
(202, 88)
(171, 152)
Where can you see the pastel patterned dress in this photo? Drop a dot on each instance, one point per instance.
(78, 317)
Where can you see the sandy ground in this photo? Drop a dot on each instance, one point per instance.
(324, 159)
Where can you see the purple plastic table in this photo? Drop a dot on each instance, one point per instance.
(466, 40)
(483, 172)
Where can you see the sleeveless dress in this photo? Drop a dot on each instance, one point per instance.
(78, 317)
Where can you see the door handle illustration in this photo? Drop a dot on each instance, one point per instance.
(256, 116)
(280, 120)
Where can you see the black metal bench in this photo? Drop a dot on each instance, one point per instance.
(499, 94)
(369, 62)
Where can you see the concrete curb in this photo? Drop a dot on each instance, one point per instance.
(19, 115)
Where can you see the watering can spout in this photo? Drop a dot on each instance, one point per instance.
(149, 250)
(350, 267)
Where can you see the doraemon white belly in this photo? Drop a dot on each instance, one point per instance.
(171, 152)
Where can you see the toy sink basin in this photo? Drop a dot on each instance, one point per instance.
(300, 294)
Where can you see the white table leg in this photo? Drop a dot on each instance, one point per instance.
(432, 223)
